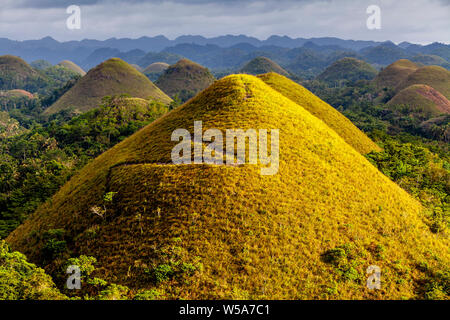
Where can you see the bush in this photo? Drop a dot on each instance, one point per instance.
(20, 279)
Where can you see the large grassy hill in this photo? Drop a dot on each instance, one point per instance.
(322, 110)
(433, 76)
(421, 99)
(15, 73)
(210, 231)
(347, 69)
(261, 65)
(395, 73)
(112, 77)
(185, 79)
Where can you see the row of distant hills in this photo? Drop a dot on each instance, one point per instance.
(305, 57)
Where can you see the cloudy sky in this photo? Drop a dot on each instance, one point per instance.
(418, 21)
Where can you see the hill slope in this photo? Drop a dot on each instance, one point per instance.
(431, 60)
(72, 66)
(349, 69)
(156, 67)
(15, 73)
(209, 231)
(185, 78)
(422, 99)
(112, 77)
(262, 65)
(393, 74)
(322, 110)
(433, 76)
(155, 70)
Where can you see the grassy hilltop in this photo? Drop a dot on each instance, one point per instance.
(185, 79)
(155, 70)
(112, 77)
(395, 73)
(422, 99)
(261, 65)
(15, 73)
(433, 76)
(72, 66)
(205, 231)
(348, 69)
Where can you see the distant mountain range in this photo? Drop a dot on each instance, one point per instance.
(301, 56)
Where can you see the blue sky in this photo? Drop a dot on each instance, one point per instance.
(419, 21)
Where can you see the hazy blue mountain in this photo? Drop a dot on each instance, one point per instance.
(98, 56)
(228, 52)
(384, 54)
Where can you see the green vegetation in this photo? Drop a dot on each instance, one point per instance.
(184, 79)
(431, 60)
(15, 73)
(165, 57)
(40, 64)
(425, 175)
(347, 70)
(8, 127)
(36, 163)
(21, 280)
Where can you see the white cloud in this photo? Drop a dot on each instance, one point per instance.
(419, 21)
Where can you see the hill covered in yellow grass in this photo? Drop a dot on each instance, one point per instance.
(112, 77)
(322, 110)
(213, 231)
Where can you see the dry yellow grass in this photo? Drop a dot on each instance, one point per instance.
(243, 235)
(322, 110)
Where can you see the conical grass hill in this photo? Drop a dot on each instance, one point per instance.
(214, 231)
(15, 73)
(322, 110)
(156, 67)
(72, 66)
(422, 99)
(433, 76)
(262, 65)
(112, 77)
(348, 69)
(185, 79)
(392, 75)
(155, 70)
